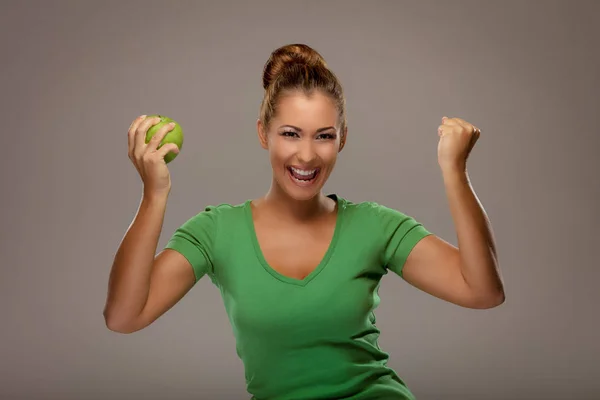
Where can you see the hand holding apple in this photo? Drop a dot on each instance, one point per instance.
(174, 135)
(153, 142)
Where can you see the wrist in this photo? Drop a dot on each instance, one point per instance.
(151, 198)
(455, 173)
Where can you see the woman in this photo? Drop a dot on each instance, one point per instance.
(299, 270)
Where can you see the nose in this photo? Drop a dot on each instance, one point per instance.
(306, 152)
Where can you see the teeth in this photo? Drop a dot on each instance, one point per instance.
(302, 172)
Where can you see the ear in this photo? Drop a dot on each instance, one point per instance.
(343, 137)
(262, 134)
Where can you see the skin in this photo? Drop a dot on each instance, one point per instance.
(467, 275)
(289, 219)
(143, 287)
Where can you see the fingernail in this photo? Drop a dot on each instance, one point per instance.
(143, 116)
(172, 124)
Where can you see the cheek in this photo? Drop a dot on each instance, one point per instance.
(280, 151)
(328, 153)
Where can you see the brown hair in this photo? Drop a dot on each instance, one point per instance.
(298, 67)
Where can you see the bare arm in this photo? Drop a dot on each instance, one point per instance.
(469, 275)
(141, 286)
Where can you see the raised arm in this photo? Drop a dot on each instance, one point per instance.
(141, 286)
(467, 275)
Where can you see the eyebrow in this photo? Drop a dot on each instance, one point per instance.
(300, 130)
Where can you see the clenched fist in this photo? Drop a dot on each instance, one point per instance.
(457, 138)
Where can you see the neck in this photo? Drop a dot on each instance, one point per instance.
(284, 205)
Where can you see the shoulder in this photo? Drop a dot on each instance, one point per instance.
(379, 220)
(223, 210)
(373, 211)
(212, 217)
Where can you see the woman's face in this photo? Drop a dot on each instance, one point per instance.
(303, 140)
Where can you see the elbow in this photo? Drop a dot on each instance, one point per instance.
(489, 301)
(494, 302)
(118, 325)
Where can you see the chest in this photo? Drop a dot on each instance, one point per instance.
(286, 279)
(295, 251)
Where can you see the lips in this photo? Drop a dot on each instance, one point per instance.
(303, 174)
(303, 177)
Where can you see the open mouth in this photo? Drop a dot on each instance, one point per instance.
(303, 177)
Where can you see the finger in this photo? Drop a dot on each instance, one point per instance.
(159, 136)
(131, 133)
(450, 121)
(443, 129)
(165, 149)
(468, 126)
(140, 135)
(134, 124)
(472, 142)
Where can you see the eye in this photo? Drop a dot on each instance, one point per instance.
(327, 136)
(289, 133)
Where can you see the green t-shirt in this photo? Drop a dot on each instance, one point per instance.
(313, 338)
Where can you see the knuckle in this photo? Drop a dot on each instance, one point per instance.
(142, 128)
(150, 158)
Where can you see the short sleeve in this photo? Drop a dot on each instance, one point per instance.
(195, 240)
(400, 233)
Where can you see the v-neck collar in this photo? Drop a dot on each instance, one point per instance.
(341, 206)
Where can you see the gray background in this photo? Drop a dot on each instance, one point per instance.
(74, 75)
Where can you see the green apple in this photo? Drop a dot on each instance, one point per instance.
(173, 136)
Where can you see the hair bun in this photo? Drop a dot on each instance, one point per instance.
(288, 55)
